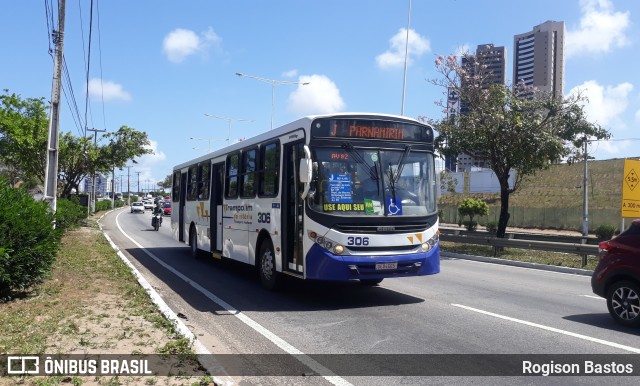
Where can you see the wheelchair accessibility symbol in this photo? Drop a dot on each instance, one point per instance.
(393, 208)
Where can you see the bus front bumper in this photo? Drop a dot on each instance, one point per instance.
(323, 265)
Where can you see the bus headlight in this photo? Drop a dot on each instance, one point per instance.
(426, 246)
(326, 243)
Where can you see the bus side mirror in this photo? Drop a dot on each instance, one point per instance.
(306, 170)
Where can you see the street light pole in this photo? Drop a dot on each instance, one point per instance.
(406, 54)
(273, 83)
(229, 120)
(202, 139)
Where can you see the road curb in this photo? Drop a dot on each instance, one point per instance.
(204, 356)
(523, 264)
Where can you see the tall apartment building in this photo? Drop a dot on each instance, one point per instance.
(538, 57)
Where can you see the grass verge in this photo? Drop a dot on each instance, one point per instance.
(91, 304)
(527, 255)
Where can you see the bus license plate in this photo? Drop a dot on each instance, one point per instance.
(383, 266)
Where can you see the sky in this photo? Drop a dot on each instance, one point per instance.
(168, 68)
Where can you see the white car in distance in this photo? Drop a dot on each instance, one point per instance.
(137, 207)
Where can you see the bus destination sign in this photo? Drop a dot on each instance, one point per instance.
(365, 129)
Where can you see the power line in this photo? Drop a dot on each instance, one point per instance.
(48, 9)
(71, 98)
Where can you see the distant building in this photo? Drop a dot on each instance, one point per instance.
(101, 185)
(538, 57)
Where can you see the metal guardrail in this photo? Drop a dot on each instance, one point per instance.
(538, 242)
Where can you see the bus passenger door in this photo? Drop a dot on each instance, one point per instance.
(217, 180)
(292, 208)
(181, 206)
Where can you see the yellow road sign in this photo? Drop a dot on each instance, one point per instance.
(631, 189)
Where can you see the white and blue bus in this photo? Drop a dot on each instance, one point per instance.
(349, 196)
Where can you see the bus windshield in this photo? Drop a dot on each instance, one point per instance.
(352, 181)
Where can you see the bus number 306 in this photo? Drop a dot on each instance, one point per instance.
(264, 218)
(357, 241)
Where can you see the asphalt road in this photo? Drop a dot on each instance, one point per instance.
(469, 308)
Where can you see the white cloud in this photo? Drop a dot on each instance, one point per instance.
(601, 29)
(394, 56)
(605, 103)
(107, 90)
(320, 96)
(181, 43)
(290, 74)
(147, 165)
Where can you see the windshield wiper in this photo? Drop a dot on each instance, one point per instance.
(403, 156)
(394, 177)
(373, 171)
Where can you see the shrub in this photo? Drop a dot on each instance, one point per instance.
(605, 231)
(472, 207)
(28, 242)
(69, 213)
(470, 225)
(103, 205)
(492, 227)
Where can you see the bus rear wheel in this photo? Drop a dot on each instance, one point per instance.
(193, 243)
(267, 265)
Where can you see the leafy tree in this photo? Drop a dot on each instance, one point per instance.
(80, 158)
(447, 182)
(166, 183)
(516, 128)
(24, 127)
(23, 138)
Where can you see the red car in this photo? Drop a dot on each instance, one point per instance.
(167, 208)
(617, 276)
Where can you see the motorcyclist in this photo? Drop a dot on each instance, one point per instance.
(158, 210)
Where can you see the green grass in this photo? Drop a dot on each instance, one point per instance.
(557, 187)
(66, 307)
(526, 255)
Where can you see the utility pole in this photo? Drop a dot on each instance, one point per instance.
(93, 177)
(128, 186)
(585, 194)
(138, 173)
(113, 188)
(51, 170)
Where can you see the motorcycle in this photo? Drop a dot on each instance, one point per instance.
(156, 221)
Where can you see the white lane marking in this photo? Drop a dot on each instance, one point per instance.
(552, 329)
(593, 297)
(273, 338)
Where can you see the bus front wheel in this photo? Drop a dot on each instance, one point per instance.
(370, 282)
(267, 265)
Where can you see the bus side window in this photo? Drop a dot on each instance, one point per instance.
(231, 186)
(269, 173)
